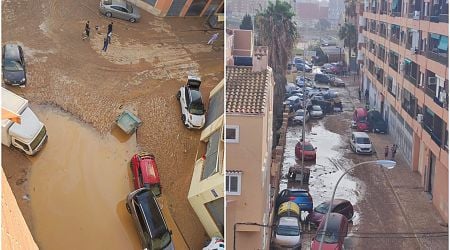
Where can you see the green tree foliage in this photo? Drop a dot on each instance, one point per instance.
(349, 35)
(246, 23)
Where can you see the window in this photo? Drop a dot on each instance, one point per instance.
(23, 145)
(233, 183)
(232, 134)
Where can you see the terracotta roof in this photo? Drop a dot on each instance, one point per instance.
(246, 91)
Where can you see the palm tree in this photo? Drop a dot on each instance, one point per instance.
(246, 23)
(348, 33)
(276, 29)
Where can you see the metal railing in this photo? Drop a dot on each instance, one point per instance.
(411, 79)
(440, 58)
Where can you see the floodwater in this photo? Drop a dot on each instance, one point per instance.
(329, 166)
(78, 185)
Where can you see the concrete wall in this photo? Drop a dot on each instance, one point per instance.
(15, 233)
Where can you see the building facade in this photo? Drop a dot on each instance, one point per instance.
(181, 8)
(249, 109)
(206, 191)
(403, 56)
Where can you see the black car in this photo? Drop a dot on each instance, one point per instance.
(322, 78)
(13, 67)
(376, 122)
(149, 221)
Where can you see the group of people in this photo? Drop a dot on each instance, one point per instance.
(393, 151)
(106, 40)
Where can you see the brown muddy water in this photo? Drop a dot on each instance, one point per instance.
(78, 185)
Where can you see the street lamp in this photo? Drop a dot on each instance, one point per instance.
(383, 163)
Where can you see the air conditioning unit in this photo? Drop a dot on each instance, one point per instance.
(402, 66)
(432, 80)
(419, 118)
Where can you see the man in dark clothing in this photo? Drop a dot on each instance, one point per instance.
(105, 43)
(87, 29)
(386, 152)
(110, 28)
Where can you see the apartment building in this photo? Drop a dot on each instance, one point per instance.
(181, 8)
(206, 191)
(249, 110)
(403, 56)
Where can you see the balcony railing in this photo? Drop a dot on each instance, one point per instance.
(381, 56)
(430, 92)
(394, 66)
(396, 14)
(411, 79)
(440, 58)
(395, 40)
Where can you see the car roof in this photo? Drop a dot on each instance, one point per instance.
(152, 212)
(336, 202)
(334, 222)
(121, 3)
(360, 134)
(12, 51)
(361, 111)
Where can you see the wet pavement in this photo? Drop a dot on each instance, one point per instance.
(384, 207)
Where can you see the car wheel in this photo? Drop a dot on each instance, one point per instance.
(183, 118)
(128, 208)
(178, 95)
(132, 20)
(108, 14)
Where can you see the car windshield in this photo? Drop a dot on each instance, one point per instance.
(322, 208)
(328, 237)
(299, 113)
(196, 108)
(13, 66)
(309, 147)
(316, 108)
(362, 140)
(288, 230)
(161, 242)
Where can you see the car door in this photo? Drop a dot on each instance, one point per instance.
(116, 11)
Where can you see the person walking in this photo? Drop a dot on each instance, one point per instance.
(213, 38)
(110, 26)
(105, 43)
(394, 151)
(386, 152)
(87, 29)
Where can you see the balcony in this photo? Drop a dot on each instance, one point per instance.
(394, 66)
(411, 79)
(437, 57)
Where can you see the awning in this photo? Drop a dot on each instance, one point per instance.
(407, 61)
(435, 36)
(443, 43)
(394, 4)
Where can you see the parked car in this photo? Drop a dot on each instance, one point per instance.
(339, 206)
(148, 219)
(359, 119)
(216, 243)
(333, 236)
(119, 9)
(13, 67)
(303, 67)
(338, 82)
(288, 208)
(145, 173)
(360, 143)
(376, 122)
(293, 102)
(299, 116)
(288, 233)
(192, 109)
(308, 150)
(316, 111)
(298, 60)
(322, 78)
(300, 196)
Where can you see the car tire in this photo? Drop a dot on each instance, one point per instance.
(178, 95)
(183, 119)
(128, 208)
(108, 14)
(132, 20)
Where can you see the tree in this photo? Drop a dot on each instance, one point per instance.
(246, 23)
(277, 30)
(349, 35)
(323, 24)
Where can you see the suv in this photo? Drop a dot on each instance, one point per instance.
(119, 9)
(360, 143)
(13, 67)
(145, 173)
(149, 221)
(192, 109)
(299, 196)
(322, 78)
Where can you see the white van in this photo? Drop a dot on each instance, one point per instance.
(360, 143)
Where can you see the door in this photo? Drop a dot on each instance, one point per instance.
(431, 170)
(176, 7)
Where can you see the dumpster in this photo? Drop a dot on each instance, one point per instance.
(128, 122)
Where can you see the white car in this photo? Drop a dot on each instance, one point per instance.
(360, 143)
(288, 233)
(215, 244)
(192, 109)
(298, 117)
(316, 111)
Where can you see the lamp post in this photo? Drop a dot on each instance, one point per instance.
(383, 163)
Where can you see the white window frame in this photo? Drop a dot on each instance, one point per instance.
(236, 129)
(238, 175)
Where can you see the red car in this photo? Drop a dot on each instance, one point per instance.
(309, 152)
(145, 173)
(333, 236)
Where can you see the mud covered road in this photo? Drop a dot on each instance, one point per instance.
(143, 68)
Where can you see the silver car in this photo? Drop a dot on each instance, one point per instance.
(119, 9)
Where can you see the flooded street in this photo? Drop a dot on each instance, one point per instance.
(77, 198)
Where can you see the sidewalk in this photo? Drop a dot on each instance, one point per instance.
(417, 209)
